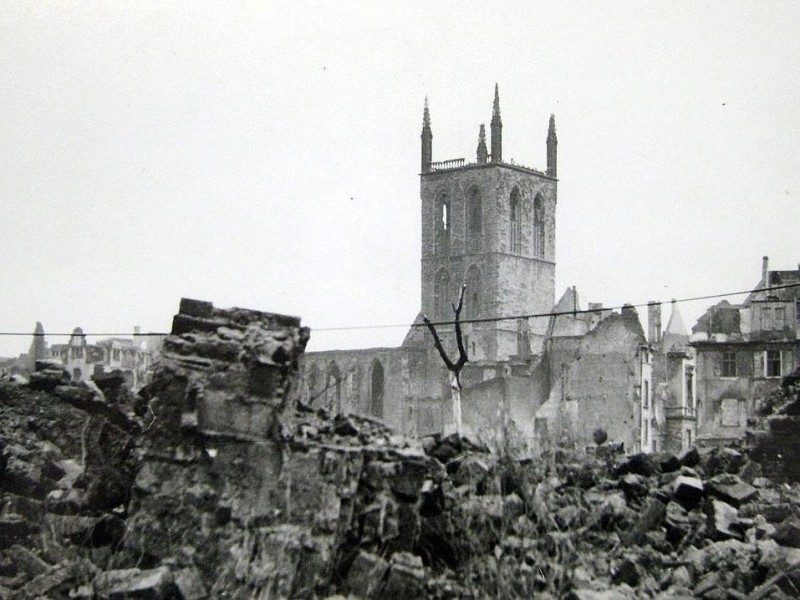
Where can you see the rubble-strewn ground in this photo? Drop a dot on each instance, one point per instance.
(448, 520)
(220, 482)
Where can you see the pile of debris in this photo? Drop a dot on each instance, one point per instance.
(220, 481)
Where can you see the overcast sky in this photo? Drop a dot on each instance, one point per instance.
(266, 155)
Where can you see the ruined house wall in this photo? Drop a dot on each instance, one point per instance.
(595, 382)
(502, 409)
(724, 404)
(413, 385)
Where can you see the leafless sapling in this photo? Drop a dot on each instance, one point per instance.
(453, 367)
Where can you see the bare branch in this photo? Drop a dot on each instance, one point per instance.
(438, 343)
(462, 352)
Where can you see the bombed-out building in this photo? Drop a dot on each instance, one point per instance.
(743, 351)
(83, 360)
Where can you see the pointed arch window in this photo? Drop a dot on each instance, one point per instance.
(313, 378)
(538, 227)
(474, 220)
(473, 308)
(442, 224)
(440, 296)
(515, 222)
(377, 392)
(333, 387)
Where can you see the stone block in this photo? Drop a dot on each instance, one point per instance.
(183, 324)
(366, 574)
(788, 533)
(677, 523)
(155, 584)
(406, 579)
(77, 529)
(190, 584)
(725, 520)
(27, 507)
(689, 491)
(731, 489)
(690, 457)
(626, 572)
(408, 481)
(638, 464)
(783, 585)
(13, 528)
(26, 561)
(41, 585)
(196, 308)
(723, 460)
(345, 426)
(668, 462)
(651, 516)
(634, 486)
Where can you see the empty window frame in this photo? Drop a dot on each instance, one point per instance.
(728, 364)
(772, 363)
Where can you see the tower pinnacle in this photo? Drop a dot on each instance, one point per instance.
(497, 129)
(427, 139)
(483, 154)
(552, 146)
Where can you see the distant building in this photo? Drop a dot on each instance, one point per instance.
(83, 360)
(743, 351)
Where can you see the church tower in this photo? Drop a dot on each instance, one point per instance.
(490, 225)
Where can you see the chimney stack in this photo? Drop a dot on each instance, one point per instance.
(765, 272)
(654, 322)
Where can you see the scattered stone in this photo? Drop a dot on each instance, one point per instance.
(731, 489)
(788, 533)
(345, 426)
(190, 584)
(651, 516)
(13, 528)
(135, 583)
(690, 457)
(638, 464)
(677, 523)
(406, 579)
(626, 572)
(689, 491)
(366, 574)
(725, 519)
(26, 561)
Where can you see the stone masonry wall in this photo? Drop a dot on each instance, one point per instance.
(265, 496)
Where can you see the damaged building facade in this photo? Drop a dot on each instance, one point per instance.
(743, 352)
(83, 360)
(538, 372)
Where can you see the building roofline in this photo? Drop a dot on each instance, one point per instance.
(461, 166)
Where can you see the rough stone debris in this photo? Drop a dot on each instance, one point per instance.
(222, 484)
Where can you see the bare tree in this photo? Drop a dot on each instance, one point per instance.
(453, 367)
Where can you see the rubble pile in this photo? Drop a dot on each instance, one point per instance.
(65, 481)
(222, 481)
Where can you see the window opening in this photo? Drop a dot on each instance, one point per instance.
(729, 364)
(773, 363)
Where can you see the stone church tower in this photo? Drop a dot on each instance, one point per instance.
(491, 225)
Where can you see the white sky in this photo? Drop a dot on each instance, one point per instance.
(266, 155)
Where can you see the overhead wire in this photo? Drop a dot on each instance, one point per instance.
(462, 321)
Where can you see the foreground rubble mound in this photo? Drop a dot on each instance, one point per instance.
(221, 481)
